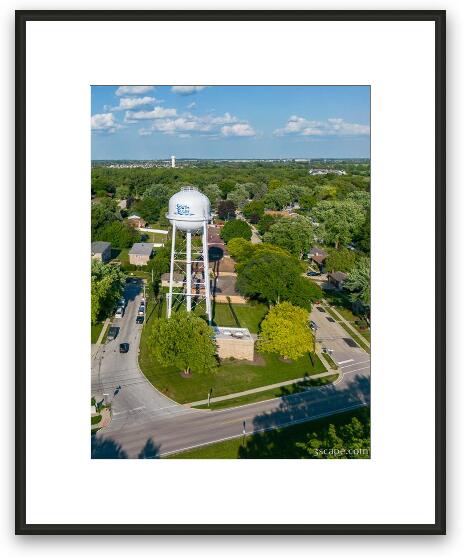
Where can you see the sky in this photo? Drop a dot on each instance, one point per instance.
(195, 121)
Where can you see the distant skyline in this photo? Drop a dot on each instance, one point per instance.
(245, 122)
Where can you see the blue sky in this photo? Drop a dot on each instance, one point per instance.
(155, 122)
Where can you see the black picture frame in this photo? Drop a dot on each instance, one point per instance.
(21, 526)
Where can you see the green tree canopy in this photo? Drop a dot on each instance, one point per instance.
(295, 235)
(254, 208)
(339, 220)
(236, 229)
(102, 214)
(226, 209)
(239, 195)
(184, 341)
(212, 192)
(285, 331)
(277, 199)
(107, 285)
(358, 282)
(120, 234)
(341, 259)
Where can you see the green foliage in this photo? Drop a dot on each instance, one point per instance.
(120, 234)
(254, 210)
(341, 259)
(184, 341)
(295, 235)
(240, 249)
(236, 229)
(149, 208)
(226, 210)
(212, 192)
(303, 292)
(277, 199)
(266, 222)
(159, 265)
(285, 331)
(103, 213)
(351, 440)
(107, 285)
(358, 282)
(239, 195)
(340, 220)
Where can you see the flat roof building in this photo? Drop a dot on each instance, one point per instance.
(234, 342)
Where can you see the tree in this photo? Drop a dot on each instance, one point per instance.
(184, 341)
(358, 282)
(212, 192)
(226, 210)
(268, 277)
(266, 222)
(341, 259)
(254, 210)
(285, 331)
(351, 440)
(239, 195)
(303, 292)
(236, 229)
(120, 234)
(149, 208)
(107, 285)
(103, 213)
(340, 220)
(277, 199)
(257, 191)
(295, 235)
(159, 265)
(240, 249)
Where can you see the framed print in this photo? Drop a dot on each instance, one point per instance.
(261, 315)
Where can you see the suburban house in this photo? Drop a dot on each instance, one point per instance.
(178, 280)
(337, 279)
(136, 221)
(101, 251)
(318, 256)
(140, 253)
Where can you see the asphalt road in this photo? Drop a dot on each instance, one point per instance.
(146, 424)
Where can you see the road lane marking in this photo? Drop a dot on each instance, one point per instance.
(287, 424)
(355, 370)
(355, 364)
(346, 361)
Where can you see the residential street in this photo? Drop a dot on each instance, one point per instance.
(146, 424)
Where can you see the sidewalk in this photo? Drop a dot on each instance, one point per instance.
(353, 329)
(261, 389)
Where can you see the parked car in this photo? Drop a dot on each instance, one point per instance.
(140, 319)
(112, 333)
(119, 313)
(121, 303)
(313, 325)
(141, 310)
(313, 274)
(124, 347)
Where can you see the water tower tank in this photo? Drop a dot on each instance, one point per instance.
(189, 208)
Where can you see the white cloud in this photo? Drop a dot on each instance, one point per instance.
(238, 130)
(105, 122)
(126, 103)
(187, 89)
(191, 105)
(133, 90)
(158, 112)
(297, 125)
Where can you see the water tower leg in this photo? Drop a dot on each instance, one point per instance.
(188, 271)
(207, 280)
(171, 277)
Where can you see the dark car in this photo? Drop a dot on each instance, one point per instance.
(313, 325)
(124, 347)
(112, 333)
(140, 319)
(313, 274)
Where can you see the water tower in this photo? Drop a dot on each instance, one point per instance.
(189, 213)
(172, 161)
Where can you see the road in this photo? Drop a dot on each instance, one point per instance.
(146, 424)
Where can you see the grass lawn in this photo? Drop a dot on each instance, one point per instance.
(239, 315)
(96, 419)
(233, 376)
(95, 331)
(121, 255)
(349, 316)
(272, 393)
(278, 443)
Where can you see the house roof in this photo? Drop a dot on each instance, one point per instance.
(338, 276)
(100, 247)
(318, 258)
(141, 248)
(317, 251)
(134, 217)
